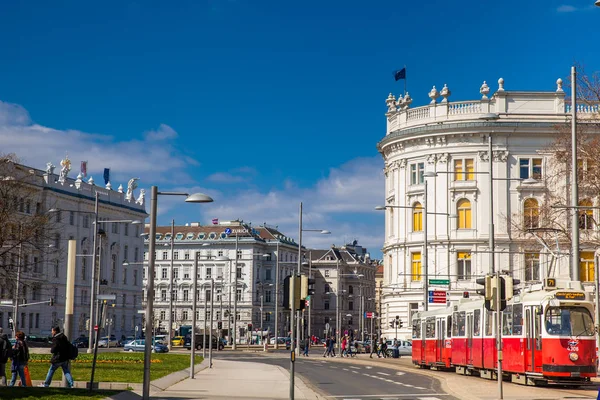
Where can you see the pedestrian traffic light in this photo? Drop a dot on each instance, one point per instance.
(10, 324)
(219, 325)
(249, 327)
(311, 286)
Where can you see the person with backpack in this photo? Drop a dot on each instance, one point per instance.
(5, 354)
(20, 357)
(62, 351)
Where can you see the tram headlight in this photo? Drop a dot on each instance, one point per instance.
(573, 356)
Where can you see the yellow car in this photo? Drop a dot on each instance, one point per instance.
(177, 341)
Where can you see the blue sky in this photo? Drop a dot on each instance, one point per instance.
(261, 104)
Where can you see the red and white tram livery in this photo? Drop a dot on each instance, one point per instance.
(548, 336)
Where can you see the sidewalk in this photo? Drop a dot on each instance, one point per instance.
(472, 387)
(238, 380)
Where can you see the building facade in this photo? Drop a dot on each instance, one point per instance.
(69, 204)
(437, 181)
(253, 255)
(346, 275)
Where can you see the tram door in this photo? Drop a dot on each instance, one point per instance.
(469, 330)
(440, 342)
(423, 341)
(533, 345)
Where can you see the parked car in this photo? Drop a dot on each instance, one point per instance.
(404, 348)
(38, 341)
(140, 345)
(200, 341)
(106, 342)
(361, 347)
(162, 339)
(280, 340)
(177, 341)
(81, 342)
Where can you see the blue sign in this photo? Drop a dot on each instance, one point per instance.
(228, 231)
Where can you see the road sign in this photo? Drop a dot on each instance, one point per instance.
(439, 281)
(437, 296)
(95, 328)
(369, 314)
(228, 231)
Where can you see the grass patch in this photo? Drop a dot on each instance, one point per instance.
(112, 367)
(53, 393)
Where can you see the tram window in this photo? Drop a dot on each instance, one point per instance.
(416, 329)
(461, 323)
(430, 328)
(507, 321)
(489, 321)
(517, 325)
(477, 323)
(572, 321)
(455, 324)
(449, 326)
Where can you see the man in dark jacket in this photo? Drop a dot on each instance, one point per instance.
(5, 353)
(61, 354)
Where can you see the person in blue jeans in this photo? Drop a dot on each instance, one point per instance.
(20, 356)
(61, 354)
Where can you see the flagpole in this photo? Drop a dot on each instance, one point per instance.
(405, 80)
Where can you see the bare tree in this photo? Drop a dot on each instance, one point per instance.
(26, 230)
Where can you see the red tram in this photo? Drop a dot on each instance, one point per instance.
(548, 336)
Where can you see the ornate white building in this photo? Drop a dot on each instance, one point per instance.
(443, 146)
(260, 250)
(69, 205)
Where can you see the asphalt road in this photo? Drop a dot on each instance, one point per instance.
(351, 381)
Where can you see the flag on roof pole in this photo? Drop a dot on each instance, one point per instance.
(215, 221)
(401, 74)
(84, 168)
(106, 175)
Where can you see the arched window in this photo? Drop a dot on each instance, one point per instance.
(531, 214)
(464, 214)
(586, 215)
(417, 217)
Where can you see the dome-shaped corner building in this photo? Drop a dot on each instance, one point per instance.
(440, 191)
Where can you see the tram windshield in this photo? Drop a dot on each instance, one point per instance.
(569, 321)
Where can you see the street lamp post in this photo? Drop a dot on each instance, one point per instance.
(277, 298)
(195, 198)
(171, 284)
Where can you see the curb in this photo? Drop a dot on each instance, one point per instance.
(158, 385)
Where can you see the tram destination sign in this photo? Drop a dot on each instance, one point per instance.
(570, 295)
(439, 281)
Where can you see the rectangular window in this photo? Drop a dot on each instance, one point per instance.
(268, 274)
(239, 254)
(86, 221)
(135, 277)
(586, 266)
(530, 168)
(176, 255)
(416, 173)
(126, 229)
(184, 315)
(463, 261)
(326, 304)
(238, 273)
(238, 295)
(208, 272)
(186, 256)
(416, 266)
(350, 305)
(71, 218)
(165, 255)
(207, 295)
(163, 315)
(135, 300)
(326, 273)
(186, 295)
(267, 296)
(163, 295)
(413, 309)
(164, 273)
(532, 267)
(464, 170)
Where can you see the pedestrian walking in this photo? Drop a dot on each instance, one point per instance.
(332, 346)
(327, 351)
(61, 354)
(344, 346)
(306, 346)
(5, 353)
(20, 357)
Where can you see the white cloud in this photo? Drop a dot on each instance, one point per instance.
(566, 8)
(13, 115)
(163, 132)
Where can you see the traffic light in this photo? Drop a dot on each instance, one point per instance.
(287, 292)
(400, 325)
(219, 325)
(249, 327)
(303, 287)
(311, 286)
(487, 291)
(10, 324)
(510, 284)
(392, 323)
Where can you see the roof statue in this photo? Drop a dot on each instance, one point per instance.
(64, 171)
(50, 168)
(141, 198)
(131, 186)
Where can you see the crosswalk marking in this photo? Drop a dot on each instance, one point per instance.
(391, 397)
(383, 373)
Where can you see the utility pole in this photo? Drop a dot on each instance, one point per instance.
(277, 299)
(171, 283)
(234, 333)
